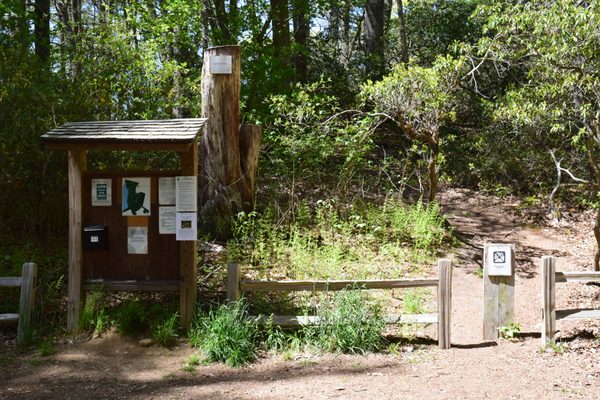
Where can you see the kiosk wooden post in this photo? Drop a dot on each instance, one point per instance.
(187, 262)
(77, 166)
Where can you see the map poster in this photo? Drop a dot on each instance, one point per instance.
(186, 226)
(101, 192)
(137, 240)
(166, 190)
(166, 220)
(136, 196)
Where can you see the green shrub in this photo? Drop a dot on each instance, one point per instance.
(93, 316)
(226, 335)
(165, 332)
(352, 323)
(131, 317)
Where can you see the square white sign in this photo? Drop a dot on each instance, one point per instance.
(498, 261)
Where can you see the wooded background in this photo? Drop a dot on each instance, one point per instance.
(373, 95)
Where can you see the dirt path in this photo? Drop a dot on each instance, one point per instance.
(113, 367)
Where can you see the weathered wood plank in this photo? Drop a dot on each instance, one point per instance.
(27, 301)
(9, 317)
(444, 302)
(578, 314)
(188, 269)
(113, 285)
(498, 299)
(321, 285)
(304, 320)
(77, 163)
(548, 300)
(10, 282)
(233, 282)
(583, 276)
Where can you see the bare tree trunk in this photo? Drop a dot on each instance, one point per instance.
(374, 45)
(42, 30)
(281, 35)
(432, 172)
(403, 40)
(301, 21)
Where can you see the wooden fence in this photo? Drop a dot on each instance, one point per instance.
(236, 286)
(549, 312)
(27, 284)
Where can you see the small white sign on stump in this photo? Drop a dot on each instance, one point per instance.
(498, 288)
(221, 65)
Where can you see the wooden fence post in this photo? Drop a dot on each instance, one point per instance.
(233, 282)
(28, 282)
(548, 299)
(444, 302)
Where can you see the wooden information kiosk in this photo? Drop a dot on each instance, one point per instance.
(123, 226)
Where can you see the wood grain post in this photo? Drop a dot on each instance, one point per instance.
(250, 139)
(27, 301)
(234, 292)
(548, 299)
(77, 163)
(498, 299)
(188, 271)
(444, 302)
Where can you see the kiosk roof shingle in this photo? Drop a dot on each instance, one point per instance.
(116, 134)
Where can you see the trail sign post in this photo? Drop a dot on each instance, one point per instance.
(498, 288)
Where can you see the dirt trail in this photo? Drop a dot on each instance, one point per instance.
(112, 367)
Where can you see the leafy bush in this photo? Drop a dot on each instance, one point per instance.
(131, 317)
(165, 332)
(226, 335)
(352, 323)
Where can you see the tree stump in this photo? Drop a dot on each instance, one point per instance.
(228, 153)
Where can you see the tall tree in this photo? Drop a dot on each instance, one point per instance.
(557, 44)
(374, 40)
(42, 30)
(301, 19)
(281, 33)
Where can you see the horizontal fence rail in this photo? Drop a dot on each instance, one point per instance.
(26, 282)
(549, 312)
(236, 286)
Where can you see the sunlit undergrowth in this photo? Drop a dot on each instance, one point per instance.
(390, 240)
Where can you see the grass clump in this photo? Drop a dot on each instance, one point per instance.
(350, 323)
(93, 316)
(165, 332)
(227, 335)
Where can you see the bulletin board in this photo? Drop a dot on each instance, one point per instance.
(116, 262)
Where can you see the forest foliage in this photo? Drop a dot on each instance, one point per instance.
(370, 96)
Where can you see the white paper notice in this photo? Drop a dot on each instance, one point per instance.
(136, 196)
(101, 192)
(166, 190)
(137, 240)
(186, 226)
(186, 193)
(166, 220)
